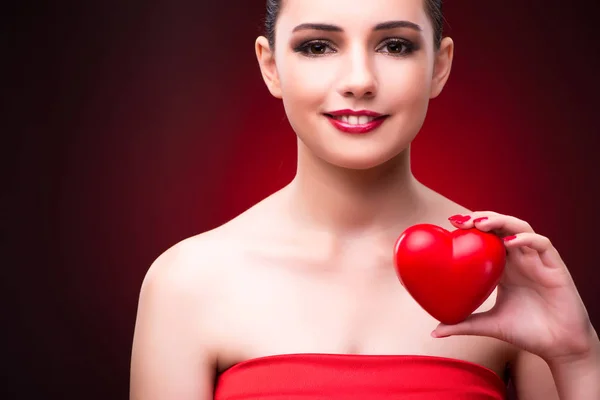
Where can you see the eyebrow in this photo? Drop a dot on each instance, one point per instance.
(379, 27)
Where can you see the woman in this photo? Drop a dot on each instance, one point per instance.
(298, 297)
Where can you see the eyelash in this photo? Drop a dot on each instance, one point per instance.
(407, 46)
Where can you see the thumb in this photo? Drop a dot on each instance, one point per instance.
(480, 324)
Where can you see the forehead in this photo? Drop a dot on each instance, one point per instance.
(352, 14)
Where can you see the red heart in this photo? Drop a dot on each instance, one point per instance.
(449, 274)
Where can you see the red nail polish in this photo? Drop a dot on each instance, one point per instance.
(459, 219)
(463, 219)
(508, 238)
(480, 219)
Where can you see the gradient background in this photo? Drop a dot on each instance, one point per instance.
(132, 125)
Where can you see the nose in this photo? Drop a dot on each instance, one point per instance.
(358, 78)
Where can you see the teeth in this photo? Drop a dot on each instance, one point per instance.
(355, 120)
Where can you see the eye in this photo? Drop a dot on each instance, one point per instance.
(314, 48)
(398, 47)
(392, 46)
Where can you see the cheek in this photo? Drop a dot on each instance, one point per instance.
(307, 82)
(405, 83)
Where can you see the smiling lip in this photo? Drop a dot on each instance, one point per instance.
(367, 113)
(355, 128)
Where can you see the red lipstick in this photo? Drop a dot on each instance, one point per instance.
(375, 120)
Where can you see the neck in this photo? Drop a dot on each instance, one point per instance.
(351, 203)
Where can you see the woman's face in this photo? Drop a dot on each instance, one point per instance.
(375, 55)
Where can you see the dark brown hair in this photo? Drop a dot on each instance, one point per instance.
(433, 8)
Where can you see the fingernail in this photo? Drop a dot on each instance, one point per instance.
(480, 219)
(509, 238)
(461, 219)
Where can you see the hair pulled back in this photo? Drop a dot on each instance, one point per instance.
(432, 7)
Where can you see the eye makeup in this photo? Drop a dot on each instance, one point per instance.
(392, 46)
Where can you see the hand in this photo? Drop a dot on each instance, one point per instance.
(538, 307)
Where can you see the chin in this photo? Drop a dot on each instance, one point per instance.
(361, 159)
(360, 152)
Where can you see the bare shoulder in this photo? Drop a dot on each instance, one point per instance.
(187, 274)
(441, 207)
(196, 269)
(197, 264)
(176, 336)
(187, 263)
(173, 352)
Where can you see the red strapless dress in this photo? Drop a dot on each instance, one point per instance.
(353, 377)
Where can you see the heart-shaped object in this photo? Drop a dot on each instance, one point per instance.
(449, 274)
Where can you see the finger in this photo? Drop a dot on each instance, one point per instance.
(536, 242)
(466, 221)
(505, 225)
(499, 224)
(489, 221)
(481, 324)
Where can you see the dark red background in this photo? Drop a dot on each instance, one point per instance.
(133, 125)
